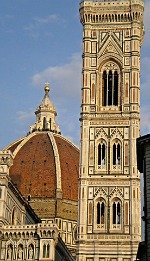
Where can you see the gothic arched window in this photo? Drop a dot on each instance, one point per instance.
(44, 123)
(115, 91)
(116, 212)
(101, 154)
(44, 251)
(100, 212)
(48, 251)
(110, 79)
(116, 153)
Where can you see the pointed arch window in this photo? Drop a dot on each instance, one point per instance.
(115, 90)
(116, 209)
(46, 251)
(116, 153)
(110, 88)
(102, 153)
(44, 123)
(100, 213)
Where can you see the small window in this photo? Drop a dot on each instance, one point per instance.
(116, 153)
(44, 123)
(100, 213)
(116, 213)
(50, 123)
(46, 251)
(115, 90)
(101, 154)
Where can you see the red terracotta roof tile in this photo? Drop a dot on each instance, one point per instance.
(34, 170)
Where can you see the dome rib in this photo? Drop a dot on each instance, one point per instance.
(22, 143)
(34, 170)
(57, 165)
(45, 170)
(69, 160)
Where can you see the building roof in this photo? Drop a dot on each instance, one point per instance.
(41, 159)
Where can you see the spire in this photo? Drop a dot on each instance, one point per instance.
(45, 114)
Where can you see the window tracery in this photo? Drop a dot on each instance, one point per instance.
(116, 213)
(102, 153)
(46, 251)
(100, 214)
(110, 84)
(116, 153)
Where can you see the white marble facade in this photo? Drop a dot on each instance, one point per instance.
(109, 208)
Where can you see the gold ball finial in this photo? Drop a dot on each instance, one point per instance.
(47, 88)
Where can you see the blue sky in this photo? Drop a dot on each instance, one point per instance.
(41, 40)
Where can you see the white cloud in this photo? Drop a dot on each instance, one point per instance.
(46, 20)
(65, 81)
(38, 24)
(66, 78)
(24, 116)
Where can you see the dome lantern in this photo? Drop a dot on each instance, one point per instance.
(45, 114)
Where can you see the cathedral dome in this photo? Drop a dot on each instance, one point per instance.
(46, 167)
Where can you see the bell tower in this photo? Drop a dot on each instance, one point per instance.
(109, 227)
